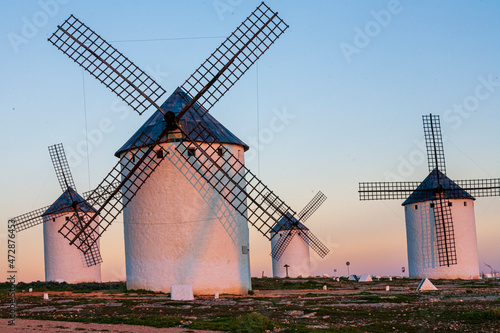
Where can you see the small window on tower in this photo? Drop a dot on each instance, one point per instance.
(53, 219)
(220, 151)
(191, 151)
(416, 207)
(67, 218)
(432, 205)
(465, 203)
(159, 153)
(132, 157)
(450, 204)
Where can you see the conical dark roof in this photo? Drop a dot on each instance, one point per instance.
(63, 204)
(155, 124)
(286, 223)
(424, 192)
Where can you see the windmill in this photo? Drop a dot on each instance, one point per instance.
(288, 249)
(62, 261)
(439, 213)
(181, 129)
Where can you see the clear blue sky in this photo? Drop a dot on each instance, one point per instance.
(355, 78)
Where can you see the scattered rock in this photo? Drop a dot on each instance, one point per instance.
(309, 315)
(295, 313)
(284, 302)
(41, 309)
(318, 326)
(114, 304)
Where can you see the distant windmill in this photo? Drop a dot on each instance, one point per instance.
(286, 248)
(170, 237)
(62, 261)
(439, 213)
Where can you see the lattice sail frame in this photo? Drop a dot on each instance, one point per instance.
(61, 167)
(402, 190)
(312, 207)
(445, 234)
(233, 58)
(92, 255)
(107, 64)
(434, 143)
(283, 242)
(445, 238)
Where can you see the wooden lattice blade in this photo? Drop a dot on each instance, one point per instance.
(275, 202)
(61, 167)
(233, 58)
(311, 207)
(282, 243)
(386, 190)
(445, 234)
(87, 242)
(107, 64)
(314, 243)
(434, 143)
(480, 187)
(34, 218)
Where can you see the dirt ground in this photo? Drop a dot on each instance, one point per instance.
(27, 325)
(279, 305)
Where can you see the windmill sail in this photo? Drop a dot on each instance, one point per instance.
(434, 143)
(233, 57)
(107, 64)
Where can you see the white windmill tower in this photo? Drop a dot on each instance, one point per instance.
(62, 261)
(166, 213)
(208, 240)
(291, 240)
(295, 261)
(439, 213)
